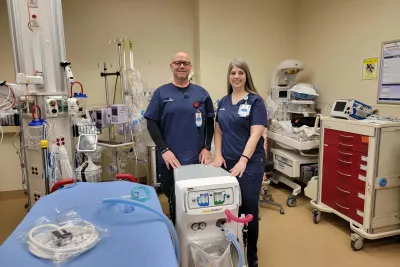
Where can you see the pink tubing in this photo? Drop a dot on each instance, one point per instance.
(230, 218)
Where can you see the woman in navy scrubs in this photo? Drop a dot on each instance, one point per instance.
(239, 143)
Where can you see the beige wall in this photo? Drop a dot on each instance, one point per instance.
(259, 31)
(10, 177)
(334, 37)
(158, 29)
(331, 37)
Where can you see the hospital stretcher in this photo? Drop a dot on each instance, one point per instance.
(133, 238)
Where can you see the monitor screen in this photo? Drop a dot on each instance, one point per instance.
(283, 94)
(340, 106)
(114, 111)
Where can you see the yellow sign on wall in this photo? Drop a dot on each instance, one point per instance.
(370, 68)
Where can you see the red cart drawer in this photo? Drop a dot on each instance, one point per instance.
(346, 166)
(346, 140)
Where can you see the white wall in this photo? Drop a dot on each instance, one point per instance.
(259, 31)
(334, 37)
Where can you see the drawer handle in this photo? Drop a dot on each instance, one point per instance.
(348, 154)
(341, 206)
(348, 175)
(344, 144)
(346, 136)
(347, 192)
(347, 162)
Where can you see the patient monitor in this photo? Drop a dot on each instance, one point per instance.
(350, 109)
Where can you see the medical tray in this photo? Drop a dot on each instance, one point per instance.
(289, 162)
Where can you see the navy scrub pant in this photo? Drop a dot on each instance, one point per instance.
(168, 187)
(250, 186)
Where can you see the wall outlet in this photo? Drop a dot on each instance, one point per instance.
(34, 19)
(37, 196)
(34, 170)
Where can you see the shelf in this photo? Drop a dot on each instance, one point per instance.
(302, 102)
(290, 143)
(10, 129)
(301, 112)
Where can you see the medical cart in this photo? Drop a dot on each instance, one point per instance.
(359, 176)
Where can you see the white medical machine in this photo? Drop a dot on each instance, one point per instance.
(282, 80)
(119, 114)
(350, 109)
(102, 117)
(203, 194)
(294, 150)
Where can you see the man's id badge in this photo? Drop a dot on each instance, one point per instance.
(244, 110)
(199, 121)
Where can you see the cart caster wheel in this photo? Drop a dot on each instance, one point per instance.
(26, 206)
(317, 216)
(282, 211)
(291, 201)
(357, 245)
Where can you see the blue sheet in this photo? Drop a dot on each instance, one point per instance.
(138, 238)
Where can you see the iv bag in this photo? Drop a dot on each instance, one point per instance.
(66, 168)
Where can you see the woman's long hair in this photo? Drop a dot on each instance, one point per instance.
(249, 85)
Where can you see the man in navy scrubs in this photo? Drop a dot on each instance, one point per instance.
(180, 120)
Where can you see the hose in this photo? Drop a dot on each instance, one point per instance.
(237, 246)
(47, 250)
(135, 193)
(170, 226)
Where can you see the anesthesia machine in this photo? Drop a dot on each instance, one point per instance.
(207, 200)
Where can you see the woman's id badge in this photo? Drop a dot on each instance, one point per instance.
(199, 121)
(244, 110)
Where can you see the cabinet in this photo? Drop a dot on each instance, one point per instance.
(359, 177)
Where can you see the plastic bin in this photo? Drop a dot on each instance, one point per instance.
(216, 253)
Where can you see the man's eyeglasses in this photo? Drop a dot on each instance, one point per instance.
(179, 63)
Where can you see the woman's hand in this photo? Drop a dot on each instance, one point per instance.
(219, 161)
(239, 168)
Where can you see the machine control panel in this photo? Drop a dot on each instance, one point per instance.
(210, 198)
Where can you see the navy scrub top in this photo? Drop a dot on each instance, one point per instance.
(236, 129)
(174, 108)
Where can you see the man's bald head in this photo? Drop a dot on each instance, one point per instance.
(181, 67)
(180, 56)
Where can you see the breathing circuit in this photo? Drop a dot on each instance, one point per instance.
(59, 243)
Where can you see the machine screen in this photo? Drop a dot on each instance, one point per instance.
(283, 94)
(114, 111)
(98, 115)
(340, 106)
